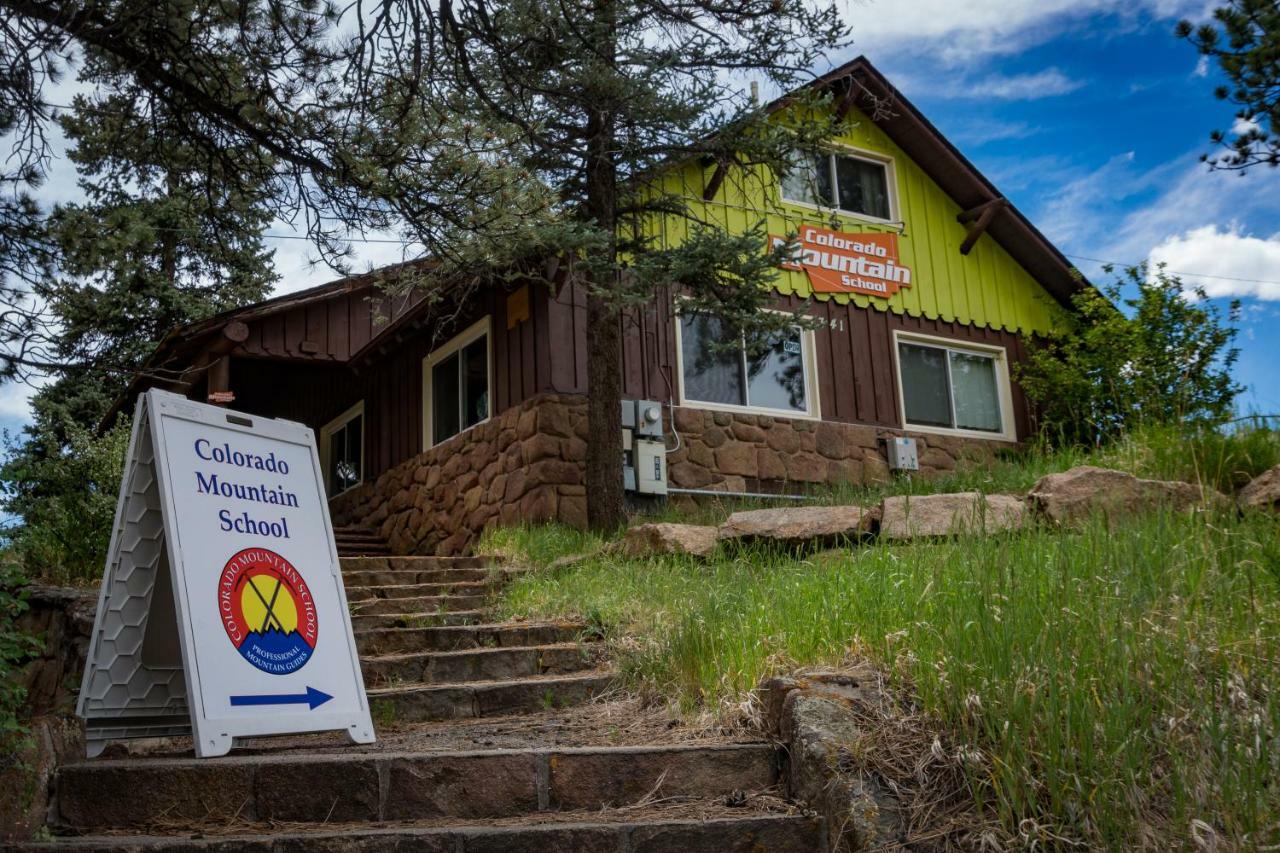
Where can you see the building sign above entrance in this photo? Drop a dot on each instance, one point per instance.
(848, 262)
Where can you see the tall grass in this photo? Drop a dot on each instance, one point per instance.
(1114, 687)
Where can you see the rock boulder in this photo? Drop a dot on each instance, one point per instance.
(922, 516)
(693, 539)
(1071, 496)
(802, 525)
(1263, 492)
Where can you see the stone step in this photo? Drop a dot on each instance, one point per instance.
(368, 622)
(413, 703)
(425, 604)
(94, 796)
(446, 638)
(474, 664)
(416, 590)
(357, 564)
(399, 577)
(723, 830)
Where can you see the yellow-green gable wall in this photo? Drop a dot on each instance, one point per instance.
(986, 288)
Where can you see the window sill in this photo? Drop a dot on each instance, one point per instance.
(844, 214)
(749, 410)
(961, 433)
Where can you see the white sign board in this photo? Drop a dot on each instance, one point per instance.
(222, 612)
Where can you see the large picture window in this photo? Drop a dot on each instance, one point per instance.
(858, 185)
(456, 387)
(342, 444)
(952, 388)
(771, 374)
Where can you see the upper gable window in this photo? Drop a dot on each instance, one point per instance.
(847, 182)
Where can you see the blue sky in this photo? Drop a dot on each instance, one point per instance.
(1090, 120)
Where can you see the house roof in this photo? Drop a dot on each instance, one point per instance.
(903, 123)
(884, 105)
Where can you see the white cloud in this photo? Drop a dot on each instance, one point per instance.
(1232, 263)
(1241, 126)
(1050, 82)
(1024, 87)
(1202, 67)
(960, 32)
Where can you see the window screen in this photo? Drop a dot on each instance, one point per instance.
(460, 390)
(769, 374)
(951, 388)
(854, 184)
(346, 455)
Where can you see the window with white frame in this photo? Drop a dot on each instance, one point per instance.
(342, 443)
(844, 181)
(952, 387)
(772, 373)
(456, 385)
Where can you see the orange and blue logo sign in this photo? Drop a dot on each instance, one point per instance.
(267, 611)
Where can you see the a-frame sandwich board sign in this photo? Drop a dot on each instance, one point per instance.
(222, 613)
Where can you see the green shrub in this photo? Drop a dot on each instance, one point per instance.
(1162, 356)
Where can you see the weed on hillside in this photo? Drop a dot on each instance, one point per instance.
(1109, 688)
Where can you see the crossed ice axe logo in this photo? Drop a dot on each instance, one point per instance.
(270, 615)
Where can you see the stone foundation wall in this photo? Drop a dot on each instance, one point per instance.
(524, 465)
(733, 452)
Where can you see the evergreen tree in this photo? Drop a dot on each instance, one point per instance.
(1245, 40)
(597, 98)
(149, 248)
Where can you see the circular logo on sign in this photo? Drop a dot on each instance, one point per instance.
(267, 611)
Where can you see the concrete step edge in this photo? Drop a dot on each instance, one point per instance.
(712, 834)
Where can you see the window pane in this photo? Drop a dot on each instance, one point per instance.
(710, 375)
(863, 186)
(973, 387)
(345, 457)
(475, 382)
(444, 399)
(775, 372)
(924, 385)
(809, 180)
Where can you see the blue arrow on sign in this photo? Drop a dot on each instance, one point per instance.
(312, 698)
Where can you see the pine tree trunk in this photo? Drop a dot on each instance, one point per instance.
(604, 393)
(605, 510)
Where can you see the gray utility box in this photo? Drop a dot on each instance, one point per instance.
(644, 448)
(902, 454)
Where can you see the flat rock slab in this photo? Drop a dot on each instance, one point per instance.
(1072, 496)
(1263, 491)
(695, 540)
(954, 514)
(801, 525)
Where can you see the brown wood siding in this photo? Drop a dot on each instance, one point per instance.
(857, 374)
(332, 330)
(390, 384)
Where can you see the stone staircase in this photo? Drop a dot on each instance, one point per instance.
(492, 737)
(355, 541)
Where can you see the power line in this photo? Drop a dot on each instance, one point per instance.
(1178, 272)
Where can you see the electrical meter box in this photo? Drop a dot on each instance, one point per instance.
(902, 454)
(644, 448)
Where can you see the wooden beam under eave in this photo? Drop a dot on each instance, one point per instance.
(717, 178)
(846, 103)
(979, 218)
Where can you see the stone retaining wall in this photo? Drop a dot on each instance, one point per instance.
(524, 465)
(757, 453)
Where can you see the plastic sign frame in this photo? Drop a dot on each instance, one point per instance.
(222, 612)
